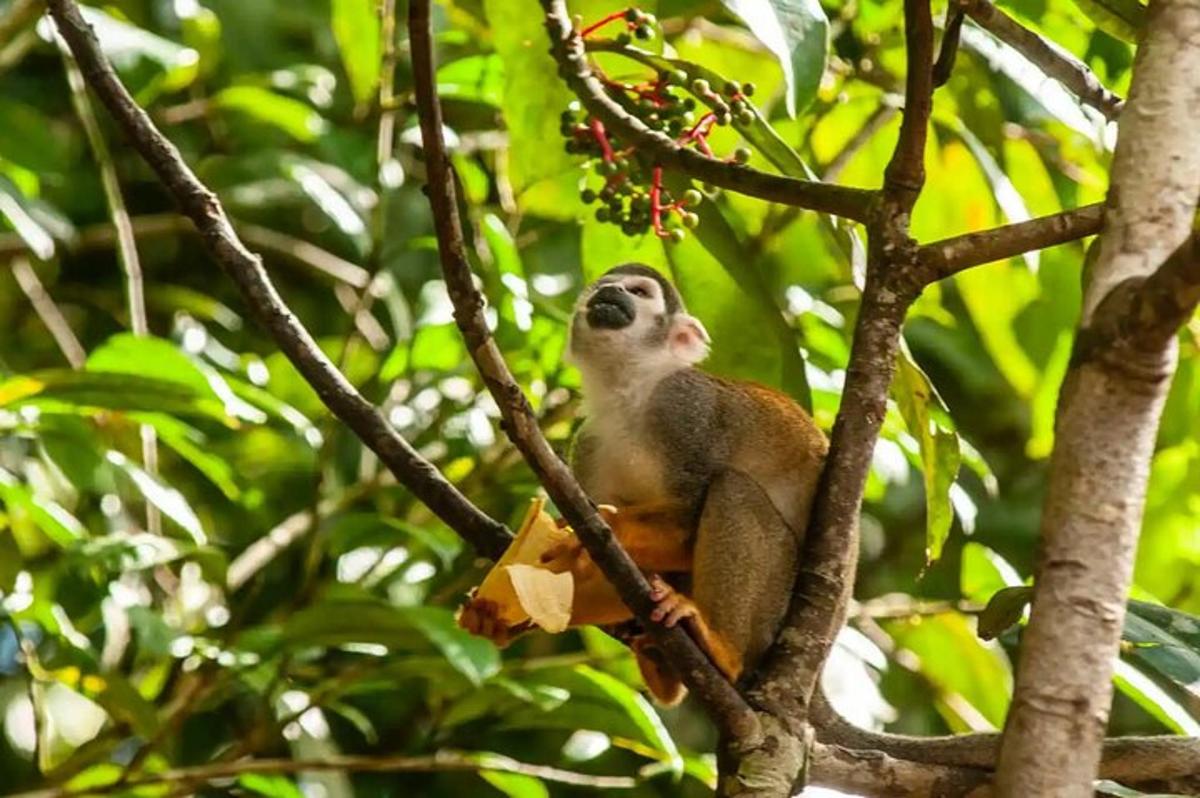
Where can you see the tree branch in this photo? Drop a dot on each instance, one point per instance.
(726, 706)
(825, 584)
(1143, 763)
(442, 761)
(1107, 418)
(1055, 62)
(568, 50)
(945, 258)
(1145, 313)
(203, 208)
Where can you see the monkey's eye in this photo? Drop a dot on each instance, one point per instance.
(640, 290)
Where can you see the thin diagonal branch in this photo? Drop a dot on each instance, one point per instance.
(568, 50)
(200, 205)
(1055, 62)
(726, 706)
(48, 312)
(127, 252)
(945, 258)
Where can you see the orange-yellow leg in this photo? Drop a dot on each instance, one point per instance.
(674, 607)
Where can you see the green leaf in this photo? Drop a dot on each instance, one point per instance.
(1166, 641)
(797, 33)
(1003, 611)
(1150, 696)
(166, 498)
(293, 117)
(356, 30)
(270, 785)
(476, 78)
(83, 392)
(599, 702)
(959, 666)
(515, 785)
(52, 518)
(928, 420)
(1124, 19)
(30, 139)
(420, 629)
(472, 656)
(984, 572)
(534, 97)
(128, 47)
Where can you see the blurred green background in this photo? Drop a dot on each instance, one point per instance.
(121, 648)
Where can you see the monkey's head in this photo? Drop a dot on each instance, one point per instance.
(632, 320)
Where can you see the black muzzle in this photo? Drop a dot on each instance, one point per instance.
(610, 308)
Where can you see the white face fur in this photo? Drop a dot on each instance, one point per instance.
(622, 335)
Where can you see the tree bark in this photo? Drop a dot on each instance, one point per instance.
(1108, 415)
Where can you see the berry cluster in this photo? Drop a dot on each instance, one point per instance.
(632, 195)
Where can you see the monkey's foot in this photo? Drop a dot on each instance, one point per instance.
(673, 606)
(482, 617)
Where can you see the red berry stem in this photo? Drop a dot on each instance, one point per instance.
(600, 23)
(601, 138)
(656, 209)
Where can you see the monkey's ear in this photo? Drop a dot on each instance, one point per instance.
(688, 340)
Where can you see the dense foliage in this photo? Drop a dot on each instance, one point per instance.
(266, 589)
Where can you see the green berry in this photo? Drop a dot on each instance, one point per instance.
(745, 118)
(588, 196)
(737, 106)
(689, 104)
(632, 15)
(676, 236)
(608, 168)
(692, 197)
(677, 77)
(733, 88)
(747, 89)
(643, 32)
(624, 39)
(690, 220)
(602, 214)
(741, 155)
(700, 86)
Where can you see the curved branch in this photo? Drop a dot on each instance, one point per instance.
(726, 706)
(203, 208)
(568, 50)
(1145, 763)
(1055, 62)
(945, 258)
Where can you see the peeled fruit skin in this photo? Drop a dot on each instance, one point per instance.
(494, 610)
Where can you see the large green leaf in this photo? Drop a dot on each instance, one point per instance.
(84, 392)
(340, 622)
(292, 116)
(356, 29)
(928, 420)
(797, 33)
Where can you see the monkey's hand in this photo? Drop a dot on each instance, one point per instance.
(482, 617)
(674, 607)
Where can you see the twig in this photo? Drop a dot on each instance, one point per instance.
(127, 254)
(1055, 62)
(200, 205)
(948, 52)
(48, 312)
(157, 225)
(949, 256)
(568, 50)
(442, 761)
(726, 706)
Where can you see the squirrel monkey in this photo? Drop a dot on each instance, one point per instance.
(712, 480)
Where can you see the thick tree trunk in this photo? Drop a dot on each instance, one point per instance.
(1108, 415)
